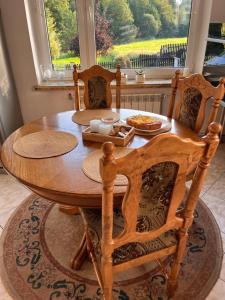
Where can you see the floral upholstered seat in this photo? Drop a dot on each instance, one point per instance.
(190, 107)
(97, 87)
(157, 186)
(97, 92)
(131, 250)
(189, 98)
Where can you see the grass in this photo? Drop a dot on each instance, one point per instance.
(60, 62)
(145, 47)
(129, 49)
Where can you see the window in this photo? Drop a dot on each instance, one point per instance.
(63, 37)
(138, 34)
(142, 34)
(214, 64)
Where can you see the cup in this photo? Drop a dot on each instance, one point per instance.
(46, 72)
(94, 125)
(105, 129)
(108, 120)
(61, 72)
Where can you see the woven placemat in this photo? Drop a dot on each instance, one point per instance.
(83, 117)
(46, 143)
(91, 165)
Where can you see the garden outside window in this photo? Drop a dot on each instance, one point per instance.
(137, 34)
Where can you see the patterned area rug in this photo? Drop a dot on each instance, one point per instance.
(39, 242)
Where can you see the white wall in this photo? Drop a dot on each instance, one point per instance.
(34, 104)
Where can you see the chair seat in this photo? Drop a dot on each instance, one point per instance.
(93, 219)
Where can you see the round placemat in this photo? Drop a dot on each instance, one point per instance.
(83, 117)
(46, 143)
(91, 165)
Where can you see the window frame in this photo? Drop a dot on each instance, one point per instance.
(198, 31)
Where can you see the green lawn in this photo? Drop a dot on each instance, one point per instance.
(129, 49)
(145, 47)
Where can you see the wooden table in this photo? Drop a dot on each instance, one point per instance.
(61, 178)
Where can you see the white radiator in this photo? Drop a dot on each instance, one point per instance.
(145, 102)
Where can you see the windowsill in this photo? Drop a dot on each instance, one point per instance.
(68, 85)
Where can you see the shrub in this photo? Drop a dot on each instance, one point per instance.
(124, 61)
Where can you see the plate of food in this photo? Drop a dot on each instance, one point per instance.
(148, 125)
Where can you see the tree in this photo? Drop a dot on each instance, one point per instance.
(65, 21)
(150, 26)
(103, 38)
(139, 8)
(173, 3)
(167, 17)
(146, 17)
(75, 46)
(72, 5)
(183, 16)
(53, 38)
(121, 21)
(104, 3)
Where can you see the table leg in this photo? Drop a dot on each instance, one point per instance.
(70, 210)
(81, 254)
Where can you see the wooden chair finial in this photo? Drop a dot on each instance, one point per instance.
(108, 149)
(215, 128)
(177, 73)
(222, 80)
(212, 137)
(75, 67)
(118, 67)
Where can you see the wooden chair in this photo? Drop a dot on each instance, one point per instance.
(97, 91)
(121, 239)
(194, 92)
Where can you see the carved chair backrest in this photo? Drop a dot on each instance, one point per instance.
(193, 94)
(156, 174)
(97, 90)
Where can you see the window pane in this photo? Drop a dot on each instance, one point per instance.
(61, 21)
(142, 33)
(214, 65)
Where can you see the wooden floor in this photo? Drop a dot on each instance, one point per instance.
(13, 193)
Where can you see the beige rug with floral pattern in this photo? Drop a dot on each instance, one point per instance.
(39, 242)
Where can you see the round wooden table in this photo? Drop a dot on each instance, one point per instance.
(61, 178)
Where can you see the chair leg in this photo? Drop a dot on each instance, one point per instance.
(70, 210)
(107, 291)
(172, 281)
(107, 280)
(81, 254)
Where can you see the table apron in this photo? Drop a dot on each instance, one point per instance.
(75, 200)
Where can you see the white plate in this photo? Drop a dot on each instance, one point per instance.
(164, 128)
(164, 125)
